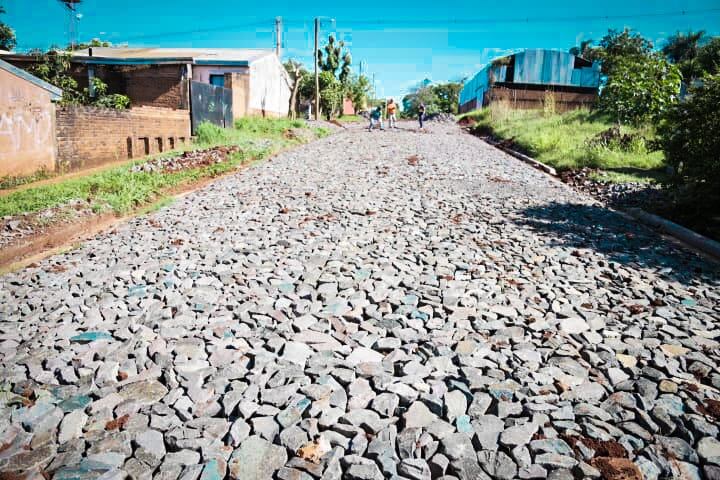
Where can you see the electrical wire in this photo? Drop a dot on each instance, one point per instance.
(429, 22)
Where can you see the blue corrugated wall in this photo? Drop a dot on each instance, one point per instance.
(534, 66)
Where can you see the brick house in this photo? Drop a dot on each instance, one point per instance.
(163, 77)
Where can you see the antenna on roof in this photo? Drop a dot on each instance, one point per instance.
(73, 17)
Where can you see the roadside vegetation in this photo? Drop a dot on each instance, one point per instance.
(575, 139)
(656, 121)
(122, 190)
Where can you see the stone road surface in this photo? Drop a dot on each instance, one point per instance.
(386, 305)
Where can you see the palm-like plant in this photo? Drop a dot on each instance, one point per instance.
(583, 50)
(683, 46)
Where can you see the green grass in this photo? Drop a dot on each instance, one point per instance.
(561, 140)
(121, 190)
(12, 182)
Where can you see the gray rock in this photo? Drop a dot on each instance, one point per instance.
(256, 459)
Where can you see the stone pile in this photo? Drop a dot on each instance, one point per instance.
(188, 159)
(341, 313)
(618, 195)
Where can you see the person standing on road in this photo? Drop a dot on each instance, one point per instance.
(391, 111)
(375, 118)
(421, 114)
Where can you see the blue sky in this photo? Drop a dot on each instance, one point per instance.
(401, 42)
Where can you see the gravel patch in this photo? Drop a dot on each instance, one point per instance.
(396, 304)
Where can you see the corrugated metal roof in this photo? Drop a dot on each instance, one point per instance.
(199, 56)
(55, 92)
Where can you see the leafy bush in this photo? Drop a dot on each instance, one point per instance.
(640, 88)
(54, 66)
(690, 137)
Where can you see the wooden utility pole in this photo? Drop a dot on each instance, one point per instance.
(317, 77)
(278, 35)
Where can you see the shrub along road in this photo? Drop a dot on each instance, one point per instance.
(365, 306)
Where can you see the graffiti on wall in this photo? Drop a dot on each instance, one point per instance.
(25, 124)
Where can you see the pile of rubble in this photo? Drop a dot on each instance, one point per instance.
(188, 159)
(441, 117)
(617, 195)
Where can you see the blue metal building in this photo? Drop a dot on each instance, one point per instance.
(525, 76)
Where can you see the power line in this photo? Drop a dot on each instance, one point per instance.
(267, 23)
(422, 22)
(493, 20)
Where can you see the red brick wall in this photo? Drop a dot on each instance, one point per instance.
(90, 136)
(156, 85)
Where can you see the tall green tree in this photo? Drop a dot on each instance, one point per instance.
(639, 89)
(358, 90)
(619, 46)
(448, 96)
(7, 34)
(331, 94)
(335, 57)
(683, 46)
(707, 61)
(682, 49)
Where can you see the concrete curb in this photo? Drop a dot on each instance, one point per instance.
(694, 239)
(685, 235)
(524, 158)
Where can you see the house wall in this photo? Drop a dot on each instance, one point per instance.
(90, 136)
(201, 73)
(157, 86)
(27, 127)
(239, 85)
(269, 88)
(529, 99)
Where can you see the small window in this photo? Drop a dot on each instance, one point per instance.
(217, 80)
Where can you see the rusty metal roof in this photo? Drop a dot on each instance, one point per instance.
(196, 56)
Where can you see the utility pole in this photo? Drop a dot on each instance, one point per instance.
(278, 35)
(317, 77)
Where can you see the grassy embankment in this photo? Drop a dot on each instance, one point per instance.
(565, 141)
(121, 191)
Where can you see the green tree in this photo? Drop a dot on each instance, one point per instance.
(331, 94)
(640, 88)
(619, 46)
(425, 95)
(7, 34)
(683, 46)
(682, 50)
(448, 96)
(358, 90)
(708, 58)
(53, 66)
(336, 57)
(95, 42)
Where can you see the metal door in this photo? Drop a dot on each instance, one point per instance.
(210, 103)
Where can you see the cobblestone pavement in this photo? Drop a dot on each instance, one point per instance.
(371, 305)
